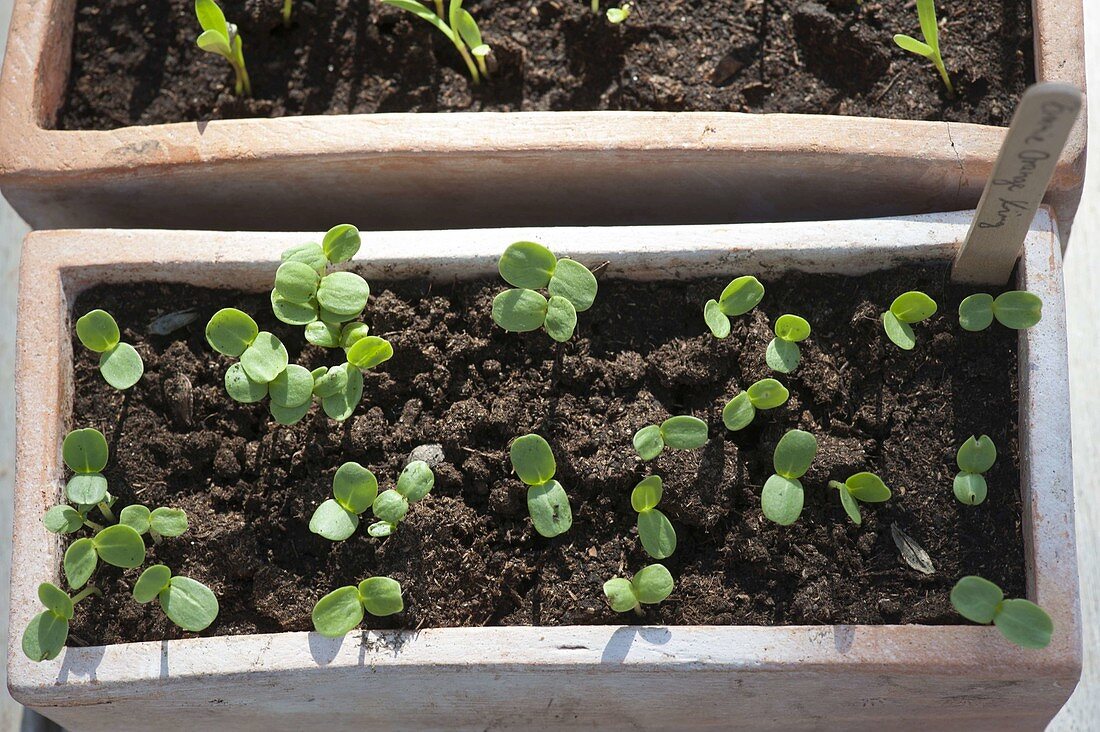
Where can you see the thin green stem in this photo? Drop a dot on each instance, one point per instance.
(595, 6)
(155, 536)
(243, 85)
(938, 61)
(93, 525)
(89, 590)
(439, 9)
(106, 511)
(287, 6)
(638, 610)
(837, 484)
(468, 59)
(481, 65)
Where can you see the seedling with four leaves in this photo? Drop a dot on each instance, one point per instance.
(460, 28)
(649, 586)
(341, 611)
(740, 411)
(391, 506)
(930, 47)
(221, 37)
(1015, 309)
(976, 456)
(119, 363)
(47, 632)
(1020, 621)
(783, 496)
(682, 432)
(186, 602)
(907, 308)
(654, 529)
(547, 503)
(860, 488)
(783, 353)
(530, 267)
(84, 452)
(740, 296)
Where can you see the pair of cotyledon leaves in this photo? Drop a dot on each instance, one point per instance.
(976, 456)
(341, 610)
(530, 267)
(649, 586)
(1020, 621)
(547, 503)
(119, 363)
(655, 531)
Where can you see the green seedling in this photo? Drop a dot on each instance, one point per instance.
(118, 545)
(739, 297)
(47, 632)
(1016, 309)
(186, 602)
(340, 611)
(649, 586)
(1020, 621)
(391, 506)
(307, 293)
(783, 353)
(85, 453)
(547, 503)
(619, 14)
(682, 432)
(740, 411)
(460, 28)
(930, 47)
(354, 489)
(222, 38)
(288, 8)
(976, 456)
(119, 363)
(783, 496)
(530, 267)
(860, 488)
(907, 308)
(654, 529)
(159, 523)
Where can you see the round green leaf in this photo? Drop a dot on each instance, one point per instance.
(415, 480)
(62, 519)
(1024, 623)
(620, 594)
(121, 366)
(657, 535)
(85, 450)
(767, 394)
(231, 331)
(80, 561)
(369, 351)
(848, 501)
(151, 582)
(647, 494)
(296, 282)
(293, 387)
(136, 517)
(120, 546)
(794, 453)
(189, 604)
(913, 307)
(684, 432)
(342, 404)
(868, 488)
(265, 359)
(333, 521)
(380, 529)
(289, 415)
(86, 490)
(338, 612)
(575, 282)
(519, 311)
(56, 600)
(976, 312)
(310, 253)
(343, 293)
(716, 320)
(241, 388)
(532, 459)
(528, 265)
(970, 488)
(1018, 309)
(331, 381)
(390, 506)
(168, 522)
(792, 328)
(325, 335)
(350, 333)
(381, 596)
(738, 412)
(652, 584)
(781, 499)
(341, 243)
(98, 331)
(977, 599)
(741, 296)
(900, 333)
(333, 318)
(782, 356)
(45, 636)
(549, 508)
(976, 455)
(561, 319)
(354, 487)
(648, 442)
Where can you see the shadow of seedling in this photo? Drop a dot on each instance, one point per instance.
(618, 647)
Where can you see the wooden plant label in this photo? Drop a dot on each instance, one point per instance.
(1012, 195)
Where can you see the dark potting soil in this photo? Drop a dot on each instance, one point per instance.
(467, 554)
(135, 61)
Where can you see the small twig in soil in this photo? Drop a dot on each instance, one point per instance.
(889, 86)
(600, 268)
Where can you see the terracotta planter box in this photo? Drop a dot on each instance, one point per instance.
(784, 678)
(514, 169)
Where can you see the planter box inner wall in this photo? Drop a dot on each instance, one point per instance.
(858, 677)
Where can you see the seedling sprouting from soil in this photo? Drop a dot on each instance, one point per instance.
(307, 294)
(783, 496)
(222, 38)
(619, 14)
(783, 353)
(547, 502)
(118, 545)
(188, 603)
(530, 267)
(654, 529)
(682, 432)
(907, 308)
(391, 506)
(460, 28)
(340, 611)
(739, 297)
(860, 488)
(119, 363)
(1016, 309)
(354, 489)
(649, 586)
(741, 410)
(930, 47)
(159, 523)
(85, 453)
(975, 457)
(1020, 621)
(47, 632)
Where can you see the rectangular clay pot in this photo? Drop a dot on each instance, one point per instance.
(455, 170)
(604, 677)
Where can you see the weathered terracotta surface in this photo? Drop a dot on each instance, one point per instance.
(454, 170)
(607, 677)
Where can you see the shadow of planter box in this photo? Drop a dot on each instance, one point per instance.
(854, 677)
(425, 170)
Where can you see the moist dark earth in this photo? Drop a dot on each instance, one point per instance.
(467, 554)
(135, 61)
